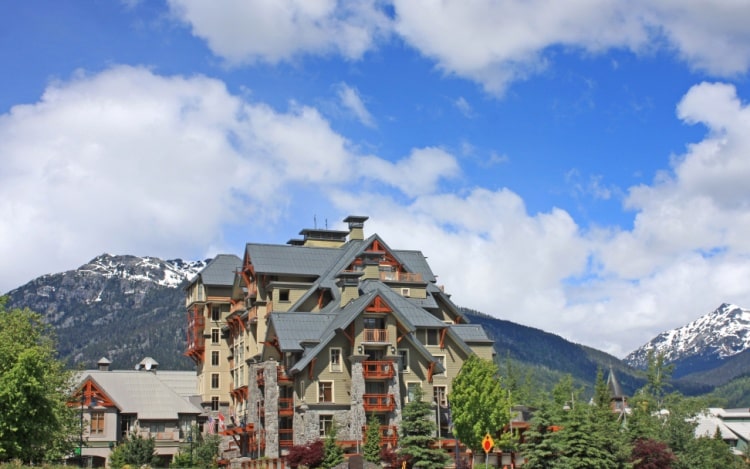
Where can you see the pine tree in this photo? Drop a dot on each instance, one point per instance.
(372, 440)
(333, 453)
(417, 435)
(540, 447)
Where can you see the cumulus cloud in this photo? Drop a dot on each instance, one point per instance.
(488, 41)
(129, 161)
(275, 31)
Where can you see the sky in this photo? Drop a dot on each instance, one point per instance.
(581, 167)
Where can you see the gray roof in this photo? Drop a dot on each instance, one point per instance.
(294, 329)
(417, 262)
(149, 395)
(220, 271)
(291, 260)
(412, 314)
(471, 333)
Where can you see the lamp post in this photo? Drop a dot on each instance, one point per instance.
(80, 441)
(190, 440)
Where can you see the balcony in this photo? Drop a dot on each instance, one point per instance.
(388, 434)
(400, 277)
(375, 335)
(286, 437)
(378, 369)
(282, 377)
(286, 407)
(379, 402)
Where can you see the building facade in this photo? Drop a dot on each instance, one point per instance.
(329, 330)
(153, 403)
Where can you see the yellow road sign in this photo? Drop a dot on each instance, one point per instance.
(487, 443)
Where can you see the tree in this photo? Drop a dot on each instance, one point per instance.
(540, 447)
(35, 421)
(417, 435)
(204, 448)
(135, 450)
(651, 454)
(372, 440)
(309, 455)
(479, 405)
(333, 454)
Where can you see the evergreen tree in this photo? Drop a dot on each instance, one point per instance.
(417, 435)
(36, 423)
(333, 454)
(479, 405)
(540, 447)
(372, 440)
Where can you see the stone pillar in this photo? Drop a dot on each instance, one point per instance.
(272, 409)
(357, 417)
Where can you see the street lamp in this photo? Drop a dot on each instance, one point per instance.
(190, 440)
(80, 441)
(437, 411)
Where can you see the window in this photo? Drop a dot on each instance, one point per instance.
(215, 358)
(97, 423)
(432, 337)
(215, 403)
(215, 313)
(440, 395)
(411, 390)
(284, 295)
(326, 425)
(403, 355)
(441, 359)
(325, 391)
(215, 336)
(157, 427)
(214, 380)
(335, 359)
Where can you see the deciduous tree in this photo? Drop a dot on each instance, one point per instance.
(479, 405)
(35, 421)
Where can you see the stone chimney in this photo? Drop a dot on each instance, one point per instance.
(103, 364)
(356, 227)
(348, 283)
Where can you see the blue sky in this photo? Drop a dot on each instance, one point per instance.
(580, 167)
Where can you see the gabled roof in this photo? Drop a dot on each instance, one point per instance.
(220, 271)
(295, 329)
(412, 315)
(471, 333)
(291, 260)
(149, 395)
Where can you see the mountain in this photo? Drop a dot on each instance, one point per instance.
(708, 343)
(550, 356)
(120, 307)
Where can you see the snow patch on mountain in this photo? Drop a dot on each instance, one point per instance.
(722, 333)
(170, 273)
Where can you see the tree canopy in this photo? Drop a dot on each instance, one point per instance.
(479, 405)
(36, 424)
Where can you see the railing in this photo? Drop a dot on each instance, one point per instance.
(388, 434)
(400, 277)
(286, 406)
(281, 375)
(378, 369)
(286, 437)
(375, 335)
(379, 402)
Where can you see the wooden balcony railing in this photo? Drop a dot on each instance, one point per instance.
(286, 406)
(378, 369)
(388, 434)
(282, 377)
(375, 335)
(379, 402)
(286, 437)
(400, 277)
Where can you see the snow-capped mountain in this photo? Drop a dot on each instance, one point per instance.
(701, 344)
(119, 307)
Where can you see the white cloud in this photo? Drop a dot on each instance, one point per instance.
(492, 42)
(278, 30)
(352, 101)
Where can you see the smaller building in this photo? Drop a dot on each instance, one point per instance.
(732, 424)
(154, 403)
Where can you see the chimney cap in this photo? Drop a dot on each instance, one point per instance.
(356, 220)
